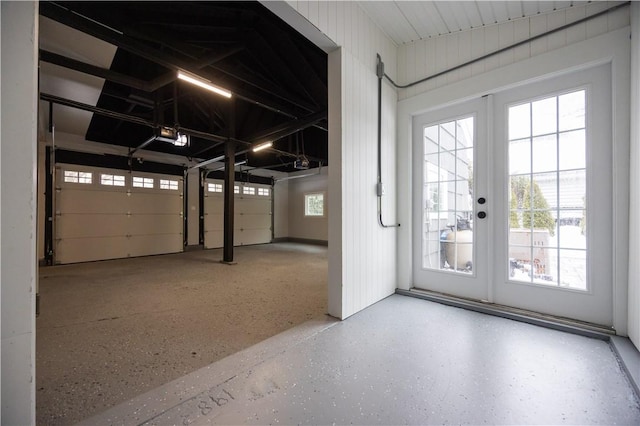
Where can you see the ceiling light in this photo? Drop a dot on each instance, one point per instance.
(262, 146)
(205, 84)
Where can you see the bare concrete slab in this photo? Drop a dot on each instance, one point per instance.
(109, 331)
(401, 361)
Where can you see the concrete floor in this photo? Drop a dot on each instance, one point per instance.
(111, 330)
(401, 361)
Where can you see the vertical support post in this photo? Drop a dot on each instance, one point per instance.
(229, 183)
(201, 188)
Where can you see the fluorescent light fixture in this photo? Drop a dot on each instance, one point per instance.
(262, 146)
(205, 84)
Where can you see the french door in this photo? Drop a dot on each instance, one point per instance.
(450, 239)
(517, 209)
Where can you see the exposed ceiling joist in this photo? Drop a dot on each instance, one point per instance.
(144, 50)
(282, 130)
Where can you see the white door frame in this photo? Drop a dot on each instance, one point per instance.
(612, 47)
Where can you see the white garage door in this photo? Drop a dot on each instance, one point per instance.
(252, 219)
(108, 214)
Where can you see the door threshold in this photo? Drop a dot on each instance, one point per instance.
(549, 321)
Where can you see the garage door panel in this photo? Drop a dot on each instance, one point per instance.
(72, 250)
(213, 222)
(214, 204)
(254, 236)
(254, 221)
(86, 225)
(252, 216)
(141, 224)
(254, 205)
(144, 245)
(154, 203)
(214, 239)
(91, 201)
(96, 221)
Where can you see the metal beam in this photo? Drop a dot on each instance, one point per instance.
(142, 145)
(116, 77)
(130, 118)
(282, 130)
(96, 110)
(204, 61)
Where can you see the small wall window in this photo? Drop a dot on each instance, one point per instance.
(142, 182)
(73, 176)
(249, 190)
(169, 184)
(264, 192)
(112, 180)
(314, 204)
(214, 187)
(236, 189)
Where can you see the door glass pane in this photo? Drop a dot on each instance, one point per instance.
(547, 201)
(447, 240)
(520, 156)
(544, 150)
(571, 150)
(543, 117)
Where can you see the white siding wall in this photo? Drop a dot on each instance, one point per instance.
(634, 196)
(427, 57)
(18, 214)
(362, 255)
(309, 228)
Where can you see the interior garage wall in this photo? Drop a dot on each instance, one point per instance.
(599, 40)
(281, 209)
(308, 228)
(362, 254)
(634, 196)
(19, 35)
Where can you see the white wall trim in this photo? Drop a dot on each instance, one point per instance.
(18, 148)
(634, 190)
(612, 47)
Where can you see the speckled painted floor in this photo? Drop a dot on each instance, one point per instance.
(109, 331)
(401, 361)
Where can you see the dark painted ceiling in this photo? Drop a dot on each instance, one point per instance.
(277, 77)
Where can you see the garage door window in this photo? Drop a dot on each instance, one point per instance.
(214, 187)
(249, 190)
(112, 180)
(169, 184)
(73, 176)
(142, 182)
(263, 191)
